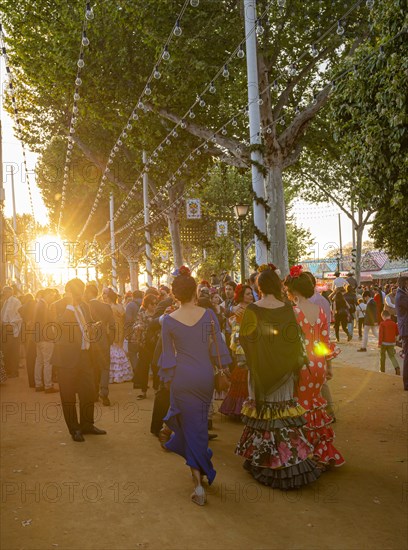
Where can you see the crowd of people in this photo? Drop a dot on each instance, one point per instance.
(269, 338)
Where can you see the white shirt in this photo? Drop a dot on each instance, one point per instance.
(82, 325)
(10, 314)
(361, 308)
(339, 282)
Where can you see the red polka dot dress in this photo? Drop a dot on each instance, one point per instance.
(308, 391)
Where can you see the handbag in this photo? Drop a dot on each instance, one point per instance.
(221, 380)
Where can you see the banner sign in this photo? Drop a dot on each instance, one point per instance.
(193, 207)
(222, 229)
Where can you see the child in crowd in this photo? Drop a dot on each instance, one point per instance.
(387, 335)
(360, 311)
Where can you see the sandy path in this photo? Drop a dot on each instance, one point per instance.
(121, 491)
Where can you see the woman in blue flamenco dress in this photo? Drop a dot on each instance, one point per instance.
(186, 367)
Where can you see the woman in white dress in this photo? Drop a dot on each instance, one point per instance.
(120, 367)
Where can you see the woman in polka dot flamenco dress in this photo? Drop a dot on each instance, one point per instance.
(312, 320)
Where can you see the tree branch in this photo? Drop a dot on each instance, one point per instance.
(203, 133)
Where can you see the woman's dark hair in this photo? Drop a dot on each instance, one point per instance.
(232, 284)
(184, 288)
(302, 285)
(269, 283)
(149, 300)
(111, 294)
(239, 293)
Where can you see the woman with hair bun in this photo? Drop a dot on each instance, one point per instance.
(273, 443)
(238, 391)
(314, 324)
(186, 368)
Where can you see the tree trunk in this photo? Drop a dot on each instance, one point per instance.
(134, 274)
(359, 244)
(277, 219)
(174, 230)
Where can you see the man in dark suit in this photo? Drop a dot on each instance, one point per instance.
(72, 357)
(100, 350)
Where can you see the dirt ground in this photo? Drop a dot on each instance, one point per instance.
(122, 492)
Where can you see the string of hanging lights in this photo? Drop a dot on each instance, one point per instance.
(88, 16)
(139, 106)
(223, 129)
(189, 114)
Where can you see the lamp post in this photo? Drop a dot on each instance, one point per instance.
(241, 211)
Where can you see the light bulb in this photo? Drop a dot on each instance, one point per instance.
(340, 28)
(72, 130)
(160, 148)
(224, 131)
(140, 104)
(225, 72)
(69, 153)
(168, 142)
(194, 3)
(110, 161)
(75, 110)
(174, 134)
(177, 29)
(120, 142)
(212, 89)
(155, 154)
(201, 102)
(259, 28)
(166, 53)
(234, 122)
(275, 85)
(81, 63)
(89, 14)
(282, 121)
(124, 135)
(129, 127)
(156, 73)
(281, 3)
(314, 51)
(135, 116)
(240, 52)
(183, 124)
(148, 90)
(198, 152)
(205, 145)
(191, 114)
(297, 110)
(314, 99)
(78, 81)
(116, 148)
(74, 120)
(77, 97)
(260, 101)
(370, 4)
(85, 39)
(269, 130)
(184, 165)
(70, 146)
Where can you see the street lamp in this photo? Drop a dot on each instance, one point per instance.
(241, 211)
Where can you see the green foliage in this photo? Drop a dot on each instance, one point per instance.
(369, 118)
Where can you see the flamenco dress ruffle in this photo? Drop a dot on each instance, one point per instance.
(237, 393)
(273, 443)
(120, 367)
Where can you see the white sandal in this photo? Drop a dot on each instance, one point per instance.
(199, 496)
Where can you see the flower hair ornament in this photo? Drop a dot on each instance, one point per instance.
(296, 271)
(183, 270)
(238, 289)
(264, 267)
